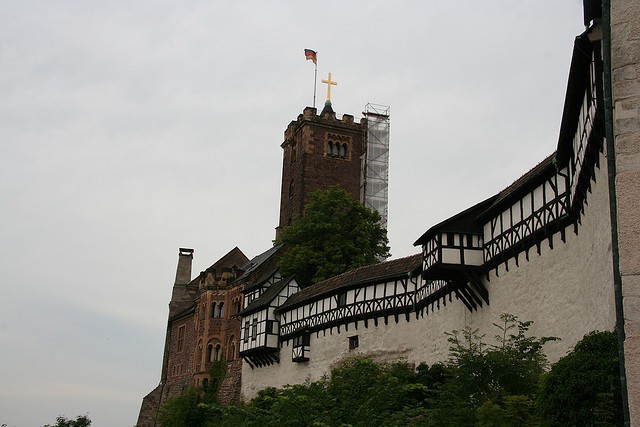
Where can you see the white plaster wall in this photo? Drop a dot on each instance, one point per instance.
(567, 292)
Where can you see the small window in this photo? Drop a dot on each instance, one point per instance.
(237, 307)
(269, 327)
(353, 342)
(343, 150)
(341, 299)
(335, 150)
(180, 338)
(294, 152)
(246, 331)
(291, 189)
(254, 329)
(213, 309)
(330, 148)
(221, 310)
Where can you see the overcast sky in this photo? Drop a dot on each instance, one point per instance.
(129, 129)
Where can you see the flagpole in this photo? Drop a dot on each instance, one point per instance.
(315, 83)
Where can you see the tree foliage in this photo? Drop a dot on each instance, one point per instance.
(481, 385)
(80, 421)
(583, 388)
(196, 407)
(336, 234)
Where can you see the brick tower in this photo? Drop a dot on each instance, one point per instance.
(319, 151)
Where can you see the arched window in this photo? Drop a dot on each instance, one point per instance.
(335, 150)
(221, 310)
(330, 148)
(213, 309)
(231, 349)
(210, 352)
(291, 189)
(343, 150)
(218, 353)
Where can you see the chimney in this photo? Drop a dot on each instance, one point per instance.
(183, 273)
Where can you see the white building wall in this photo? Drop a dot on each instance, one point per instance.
(567, 292)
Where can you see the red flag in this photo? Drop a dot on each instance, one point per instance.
(310, 54)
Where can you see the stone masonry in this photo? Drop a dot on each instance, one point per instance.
(625, 68)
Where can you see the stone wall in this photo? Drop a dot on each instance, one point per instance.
(625, 68)
(567, 291)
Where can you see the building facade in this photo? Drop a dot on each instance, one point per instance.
(560, 246)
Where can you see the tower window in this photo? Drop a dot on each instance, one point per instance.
(213, 309)
(291, 189)
(343, 150)
(221, 310)
(335, 150)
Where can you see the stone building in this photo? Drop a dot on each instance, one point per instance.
(559, 246)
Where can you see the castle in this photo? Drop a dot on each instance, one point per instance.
(559, 246)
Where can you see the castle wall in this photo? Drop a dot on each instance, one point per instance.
(625, 69)
(179, 374)
(567, 291)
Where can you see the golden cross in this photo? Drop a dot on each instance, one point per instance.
(329, 82)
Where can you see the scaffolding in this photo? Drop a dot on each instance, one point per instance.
(375, 182)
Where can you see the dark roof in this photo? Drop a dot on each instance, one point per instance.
(474, 216)
(265, 278)
(256, 262)
(266, 297)
(522, 185)
(370, 273)
(462, 222)
(577, 83)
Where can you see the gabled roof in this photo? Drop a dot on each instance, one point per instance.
(380, 272)
(267, 296)
(463, 222)
(234, 256)
(262, 280)
(256, 262)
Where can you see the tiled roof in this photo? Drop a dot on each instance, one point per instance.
(371, 273)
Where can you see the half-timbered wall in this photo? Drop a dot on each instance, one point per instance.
(255, 293)
(262, 328)
(566, 291)
(453, 249)
(585, 125)
(365, 302)
(535, 211)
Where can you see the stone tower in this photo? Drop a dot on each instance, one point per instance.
(319, 151)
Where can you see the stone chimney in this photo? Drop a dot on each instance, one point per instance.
(183, 273)
(182, 295)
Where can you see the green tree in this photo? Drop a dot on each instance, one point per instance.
(80, 421)
(583, 388)
(491, 385)
(196, 407)
(335, 234)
